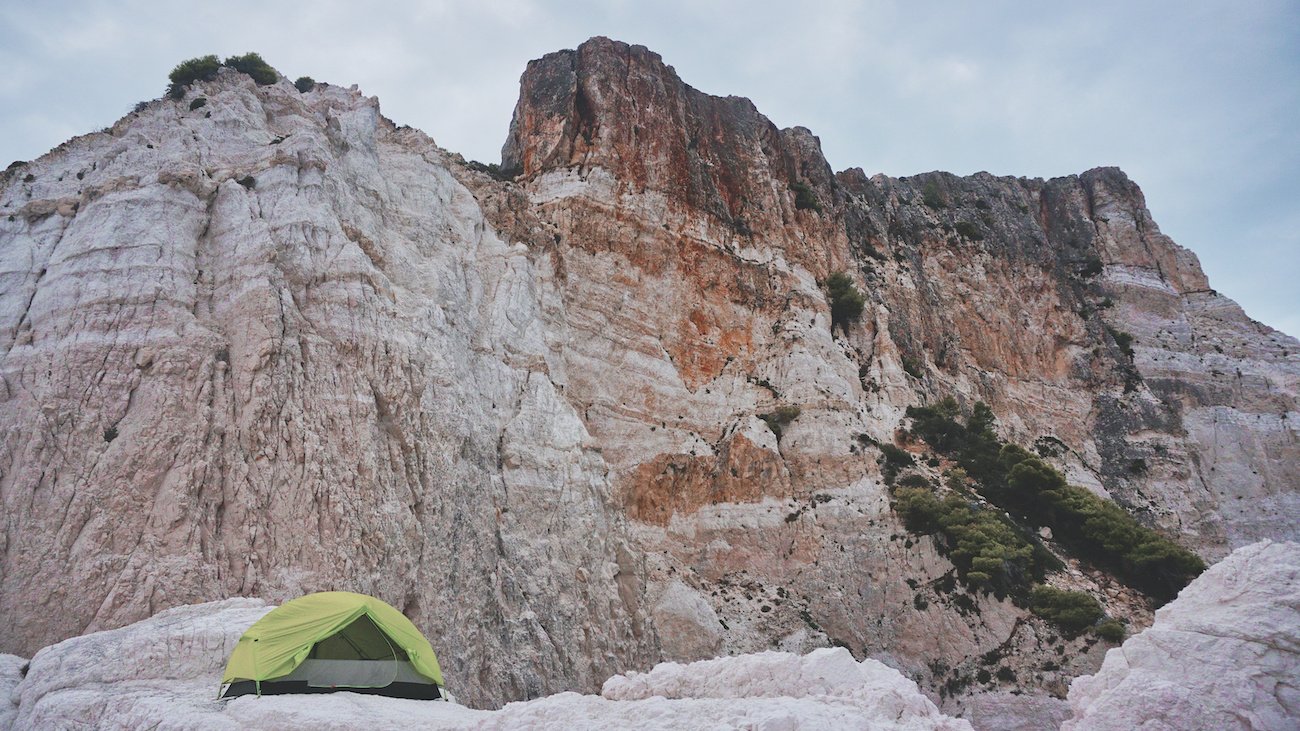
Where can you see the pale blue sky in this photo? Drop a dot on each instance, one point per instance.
(1198, 101)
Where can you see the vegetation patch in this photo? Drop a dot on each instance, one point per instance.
(893, 460)
(203, 68)
(494, 170)
(932, 196)
(257, 68)
(1093, 529)
(1123, 340)
(1091, 267)
(912, 367)
(804, 198)
(846, 301)
(989, 552)
(304, 84)
(1072, 611)
(777, 420)
(1112, 630)
(970, 230)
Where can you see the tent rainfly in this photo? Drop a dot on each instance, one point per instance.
(334, 640)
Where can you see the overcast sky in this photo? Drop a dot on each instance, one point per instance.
(1199, 102)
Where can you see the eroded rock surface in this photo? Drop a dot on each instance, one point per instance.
(334, 375)
(161, 673)
(278, 344)
(1224, 655)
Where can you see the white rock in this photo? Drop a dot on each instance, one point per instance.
(11, 673)
(1003, 711)
(688, 627)
(1224, 655)
(162, 673)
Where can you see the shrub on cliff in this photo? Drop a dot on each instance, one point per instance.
(804, 199)
(932, 196)
(1072, 611)
(778, 419)
(1093, 528)
(1123, 340)
(893, 459)
(257, 68)
(1112, 630)
(970, 230)
(203, 68)
(494, 170)
(304, 84)
(846, 301)
(988, 551)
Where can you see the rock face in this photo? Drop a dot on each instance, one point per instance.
(334, 374)
(11, 674)
(161, 673)
(1224, 655)
(277, 344)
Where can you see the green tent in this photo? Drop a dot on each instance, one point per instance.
(334, 640)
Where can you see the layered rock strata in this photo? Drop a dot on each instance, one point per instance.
(279, 344)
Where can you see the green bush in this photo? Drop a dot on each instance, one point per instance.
(198, 103)
(804, 199)
(1123, 340)
(894, 459)
(494, 170)
(988, 552)
(846, 301)
(1091, 267)
(1019, 482)
(1112, 630)
(970, 230)
(203, 68)
(304, 84)
(1072, 611)
(257, 68)
(778, 419)
(913, 479)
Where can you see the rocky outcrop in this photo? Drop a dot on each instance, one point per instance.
(565, 421)
(278, 349)
(1058, 302)
(162, 673)
(1224, 655)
